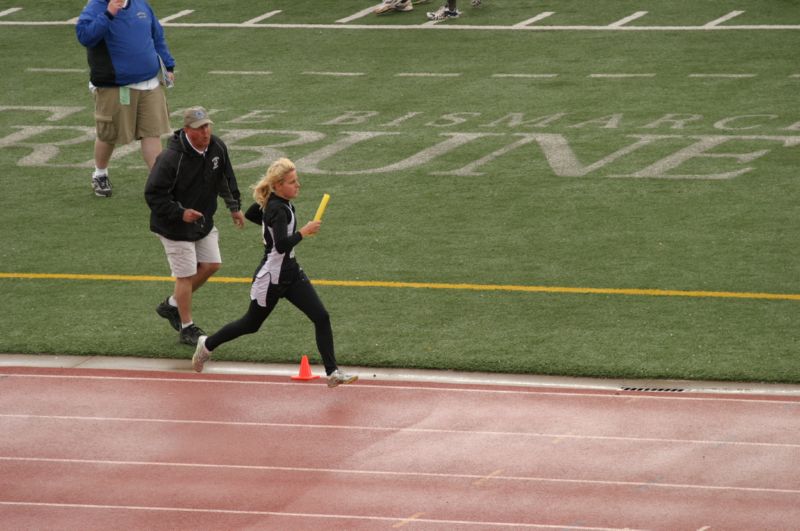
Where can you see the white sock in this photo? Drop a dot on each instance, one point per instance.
(98, 172)
(172, 301)
(186, 325)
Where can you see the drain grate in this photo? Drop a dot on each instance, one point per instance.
(655, 389)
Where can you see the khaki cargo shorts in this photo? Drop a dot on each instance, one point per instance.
(147, 115)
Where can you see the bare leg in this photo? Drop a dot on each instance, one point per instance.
(151, 147)
(102, 153)
(184, 287)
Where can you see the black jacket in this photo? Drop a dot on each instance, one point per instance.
(182, 178)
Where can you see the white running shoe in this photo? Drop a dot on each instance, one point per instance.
(201, 354)
(337, 377)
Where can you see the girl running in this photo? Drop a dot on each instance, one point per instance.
(279, 275)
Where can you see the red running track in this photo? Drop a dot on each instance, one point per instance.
(103, 449)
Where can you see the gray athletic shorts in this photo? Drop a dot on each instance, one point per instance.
(183, 257)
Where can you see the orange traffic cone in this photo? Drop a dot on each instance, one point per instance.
(305, 371)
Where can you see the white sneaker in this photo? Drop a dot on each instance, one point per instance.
(385, 6)
(394, 5)
(337, 377)
(201, 354)
(443, 14)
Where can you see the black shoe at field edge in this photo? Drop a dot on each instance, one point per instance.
(191, 334)
(170, 313)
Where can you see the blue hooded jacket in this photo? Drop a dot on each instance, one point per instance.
(124, 48)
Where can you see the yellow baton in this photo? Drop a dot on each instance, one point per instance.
(321, 209)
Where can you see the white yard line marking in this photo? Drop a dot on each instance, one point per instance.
(334, 74)
(450, 523)
(241, 72)
(431, 26)
(356, 16)
(392, 473)
(537, 18)
(57, 70)
(611, 76)
(722, 19)
(556, 437)
(623, 21)
(9, 11)
(730, 76)
(426, 74)
(534, 76)
(179, 14)
(795, 75)
(256, 20)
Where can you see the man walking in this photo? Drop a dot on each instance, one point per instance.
(182, 191)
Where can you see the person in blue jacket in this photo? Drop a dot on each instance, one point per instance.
(129, 65)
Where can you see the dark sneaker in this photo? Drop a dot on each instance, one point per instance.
(191, 334)
(337, 377)
(101, 185)
(201, 354)
(170, 313)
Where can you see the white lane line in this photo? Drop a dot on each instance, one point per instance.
(533, 76)
(258, 19)
(57, 70)
(179, 14)
(591, 393)
(722, 19)
(334, 74)
(729, 76)
(397, 429)
(541, 16)
(611, 76)
(240, 72)
(426, 74)
(308, 515)
(9, 11)
(795, 75)
(394, 473)
(623, 21)
(356, 16)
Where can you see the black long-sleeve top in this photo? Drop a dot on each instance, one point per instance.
(280, 236)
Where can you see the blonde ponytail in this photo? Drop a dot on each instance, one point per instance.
(275, 173)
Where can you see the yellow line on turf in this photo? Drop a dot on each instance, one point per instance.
(435, 285)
